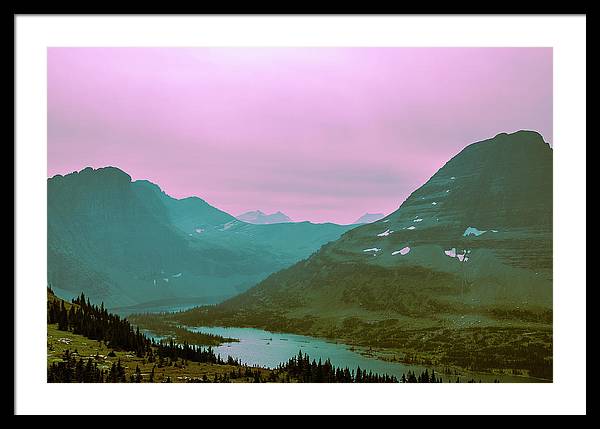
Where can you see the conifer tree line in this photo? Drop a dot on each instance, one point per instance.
(170, 349)
(424, 377)
(302, 369)
(71, 370)
(97, 323)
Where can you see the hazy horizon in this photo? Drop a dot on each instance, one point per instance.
(320, 134)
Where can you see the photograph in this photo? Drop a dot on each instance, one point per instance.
(300, 214)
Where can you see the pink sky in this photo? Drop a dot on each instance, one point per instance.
(322, 134)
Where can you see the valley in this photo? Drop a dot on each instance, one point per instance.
(460, 275)
(458, 278)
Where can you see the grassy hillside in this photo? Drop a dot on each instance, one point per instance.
(177, 371)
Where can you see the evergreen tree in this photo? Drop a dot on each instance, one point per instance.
(138, 374)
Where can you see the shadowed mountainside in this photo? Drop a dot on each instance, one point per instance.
(127, 242)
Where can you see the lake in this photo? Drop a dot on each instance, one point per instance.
(269, 349)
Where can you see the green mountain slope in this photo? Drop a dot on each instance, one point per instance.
(127, 242)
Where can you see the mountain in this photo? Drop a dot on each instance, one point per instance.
(187, 214)
(470, 249)
(260, 218)
(368, 218)
(127, 242)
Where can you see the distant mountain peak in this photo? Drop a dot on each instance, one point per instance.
(522, 140)
(259, 217)
(522, 135)
(369, 217)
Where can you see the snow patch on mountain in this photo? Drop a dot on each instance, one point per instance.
(473, 231)
(451, 252)
(462, 257)
(385, 233)
(402, 251)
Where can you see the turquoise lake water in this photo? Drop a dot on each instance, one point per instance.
(269, 349)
